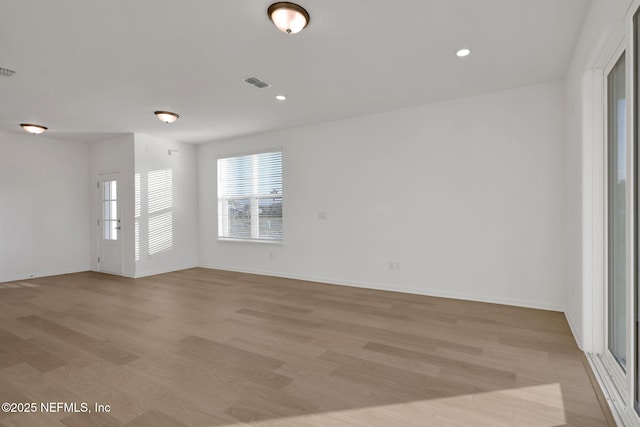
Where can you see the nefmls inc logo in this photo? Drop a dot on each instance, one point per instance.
(73, 407)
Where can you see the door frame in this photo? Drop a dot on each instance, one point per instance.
(100, 178)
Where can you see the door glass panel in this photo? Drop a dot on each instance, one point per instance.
(617, 212)
(110, 210)
(114, 230)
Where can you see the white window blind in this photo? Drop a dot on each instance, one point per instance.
(160, 209)
(250, 197)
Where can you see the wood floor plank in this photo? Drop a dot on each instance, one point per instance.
(223, 352)
(17, 350)
(155, 418)
(272, 307)
(152, 394)
(398, 380)
(91, 420)
(279, 318)
(252, 367)
(204, 347)
(125, 405)
(389, 335)
(101, 349)
(451, 368)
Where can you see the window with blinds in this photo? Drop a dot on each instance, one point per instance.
(250, 197)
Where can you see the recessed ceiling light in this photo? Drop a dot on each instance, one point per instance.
(281, 97)
(34, 129)
(288, 17)
(166, 116)
(463, 52)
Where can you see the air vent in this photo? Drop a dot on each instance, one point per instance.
(5, 72)
(256, 82)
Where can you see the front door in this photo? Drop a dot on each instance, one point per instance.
(109, 236)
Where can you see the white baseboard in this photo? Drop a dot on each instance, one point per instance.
(576, 336)
(151, 272)
(333, 281)
(138, 275)
(384, 287)
(127, 275)
(15, 277)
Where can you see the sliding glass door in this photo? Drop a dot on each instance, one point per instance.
(617, 213)
(635, 173)
(615, 231)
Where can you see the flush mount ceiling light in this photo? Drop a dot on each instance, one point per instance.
(166, 116)
(31, 128)
(463, 52)
(288, 17)
(281, 97)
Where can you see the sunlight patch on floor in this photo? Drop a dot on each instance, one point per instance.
(540, 406)
(13, 285)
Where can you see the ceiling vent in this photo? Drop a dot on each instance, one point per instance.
(5, 72)
(256, 82)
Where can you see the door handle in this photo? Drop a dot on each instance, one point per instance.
(118, 228)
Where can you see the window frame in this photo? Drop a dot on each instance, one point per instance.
(268, 241)
(621, 377)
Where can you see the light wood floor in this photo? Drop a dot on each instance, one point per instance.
(210, 348)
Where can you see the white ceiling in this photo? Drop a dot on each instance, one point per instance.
(90, 68)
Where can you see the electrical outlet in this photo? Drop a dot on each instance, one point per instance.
(394, 266)
(322, 215)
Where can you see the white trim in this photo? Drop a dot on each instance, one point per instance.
(630, 203)
(592, 211)
(15, 277)
(130, 276)
(573, 330)
(598, 213)
(249, 240)
(138, 275)
(250, 153)
(610, 391)
(108, 171)
(383, 287)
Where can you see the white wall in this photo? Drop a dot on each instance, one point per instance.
(464, 195)
(600, 33)
(115, 155)
(44, 206)
(152, 154)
